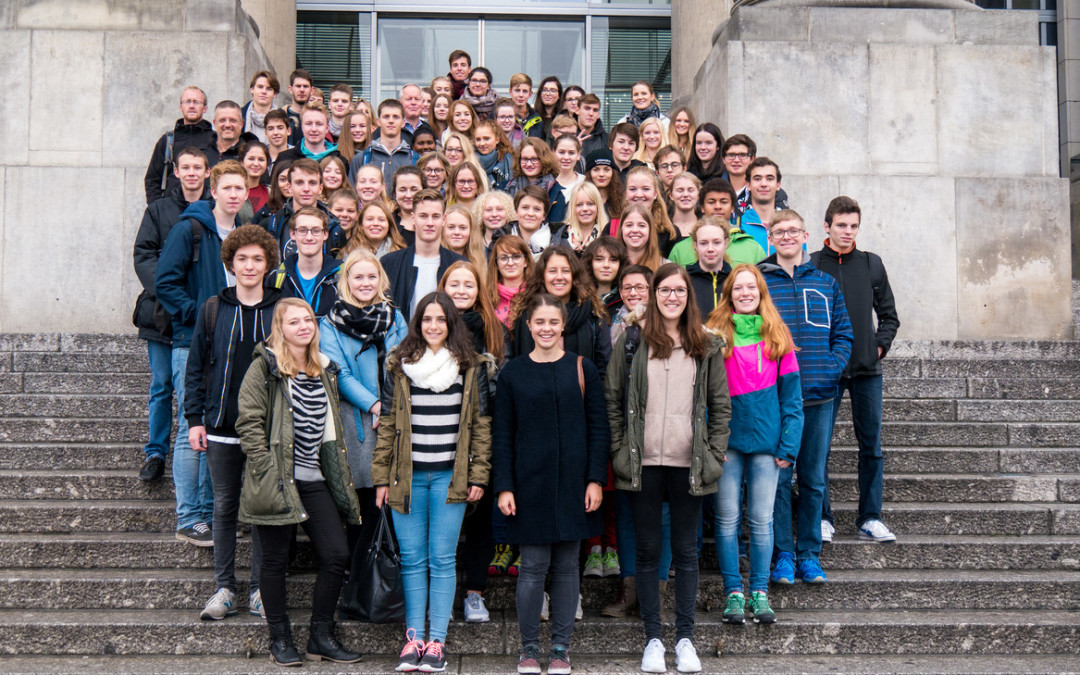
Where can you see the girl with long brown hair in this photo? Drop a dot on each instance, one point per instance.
(510, 266)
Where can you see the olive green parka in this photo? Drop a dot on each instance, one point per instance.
(626, 399)
(265, 425)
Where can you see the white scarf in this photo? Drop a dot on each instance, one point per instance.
(434, 371)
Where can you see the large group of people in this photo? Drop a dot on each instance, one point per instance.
(499, 320)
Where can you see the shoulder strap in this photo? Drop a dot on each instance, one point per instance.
(168, 160)
(581, 376)
(212, 304)
(277, 277)
(877, 270)
(196, 239)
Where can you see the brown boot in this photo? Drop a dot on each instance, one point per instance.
(624, 602)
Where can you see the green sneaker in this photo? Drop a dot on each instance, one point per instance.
(735, 609)
(594, 565)
(611, 563)
(759, 606)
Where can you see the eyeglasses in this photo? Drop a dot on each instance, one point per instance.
(570, 99)
(192, 101)
(453, 151)
(737, 155)
(478, 80)
(665, 291)
(794, 233)
(636, 288)
(505, 118)
(435, 171)
(305, 231)
(514, 258)
(530, 160)
(549, 90)
(465, 182)
(670, 166)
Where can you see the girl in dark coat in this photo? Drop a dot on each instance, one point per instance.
(550, 446)
(558, 272)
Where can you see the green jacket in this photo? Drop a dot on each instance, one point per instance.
(265, 425)
(391, 464)
(626, 414)
(741, 248)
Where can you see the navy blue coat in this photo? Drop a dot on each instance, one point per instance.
(325, 283)
(400, 268)
(548, 443)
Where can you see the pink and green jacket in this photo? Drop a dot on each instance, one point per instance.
(766, 395)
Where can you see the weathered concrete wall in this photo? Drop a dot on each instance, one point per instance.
(692, 26)
(942, 123)
(90, 86)
(276, 20)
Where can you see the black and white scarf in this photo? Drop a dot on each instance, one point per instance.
(636, 117)
(368, 324)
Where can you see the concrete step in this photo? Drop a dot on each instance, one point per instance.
(856, 589)
(45, 516)
(959, 487)
(74, 406)
(945, 518)
(953, 460)
(969, 434)
(79, 456)
(59, 430)
(122, 632)
(599, 664)
(969, 410)
(145, 550)
(105, 484)
(85, 383)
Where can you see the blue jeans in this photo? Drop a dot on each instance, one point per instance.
(428, 536)
(865, 394)
(191, 471)
(809, 472)
(759, 472)
(160, 404)
(627, 542)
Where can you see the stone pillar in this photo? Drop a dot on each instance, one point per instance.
(276, 20)
(1068, 53)
(91, 86)
(942, 123)
(692, 26)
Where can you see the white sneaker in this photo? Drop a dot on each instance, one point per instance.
(827, 532)
(255, 606)
(652, 661)
(545, 609)
(475, 611)
(220, 605)
(578, 614)
(686, 658)
(875, 530)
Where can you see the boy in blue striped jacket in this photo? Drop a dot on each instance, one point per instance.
(812, 306)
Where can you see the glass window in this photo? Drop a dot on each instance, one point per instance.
(335, 47)
(416, 49)
(536, 48)
(625, 50)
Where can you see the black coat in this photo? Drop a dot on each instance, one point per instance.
(215, 156)
(401, 270)
(158, 218)
(705, 283)
(866, 290)
(184, 136)
(548, 442)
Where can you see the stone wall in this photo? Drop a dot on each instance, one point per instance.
(942, 123)
(90, 86)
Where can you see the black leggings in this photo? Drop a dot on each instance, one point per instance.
(327, 535)
(479, 543)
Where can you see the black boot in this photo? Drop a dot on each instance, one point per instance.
(322, 644)
(282, 650)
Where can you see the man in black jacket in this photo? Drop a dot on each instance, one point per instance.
(228, 134)
(415, 271)
(190, 131)
(865, 285)
(154, 324)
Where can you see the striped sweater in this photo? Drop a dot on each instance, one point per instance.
(766, 395)
(435, 420)
(310, 408)
(813, 308)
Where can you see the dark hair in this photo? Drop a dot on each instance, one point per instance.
(616, 193)
(492, 337)
(485, 72)
(271, 80)
(840, 206)
(407, 170)
(633, 269)
(716, 165)
(390, 103)
(252, 145)
(692, 333)
(581, 291)
(247, 235)
(457, 54)
(194, 152)
(544, 300)
(277, 198)
(307, 166)
(760, 162)
(740, 139)
(716, 185)
(607, 244)
(669, 150)
(626, 129)
(510, 243)
(536, 192)
(300, 74)
(428, 195)
(538, 103)
(458, 338)
(276, 114)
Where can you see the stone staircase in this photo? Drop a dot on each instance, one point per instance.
(982, 486)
